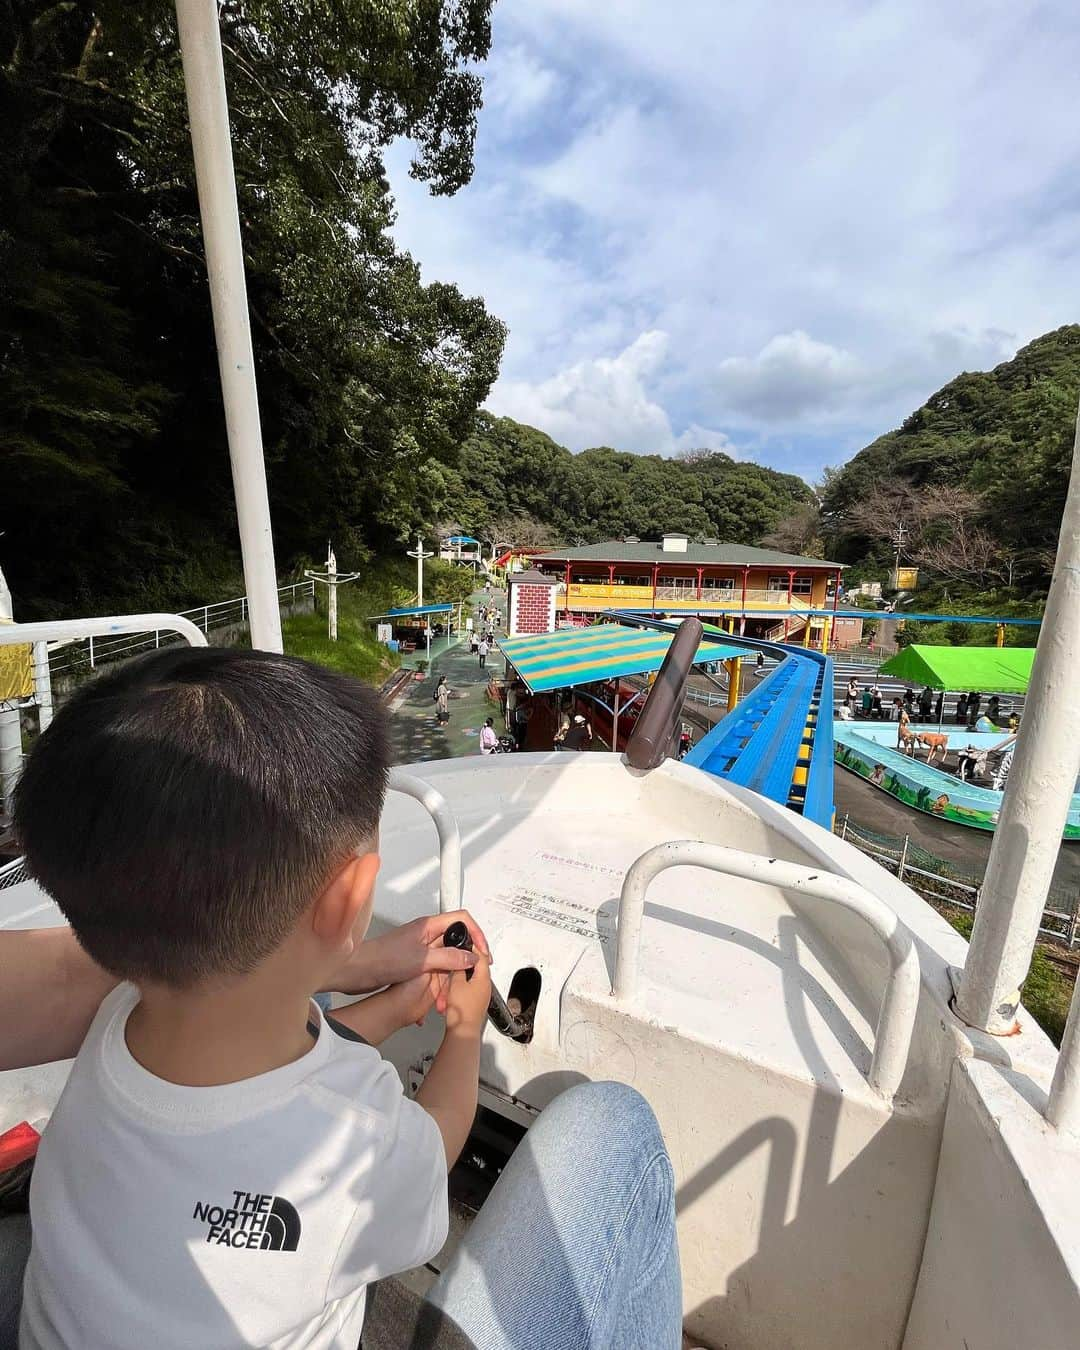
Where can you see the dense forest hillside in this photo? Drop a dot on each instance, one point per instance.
(977, 475)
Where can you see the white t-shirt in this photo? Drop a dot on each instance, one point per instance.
(252, 1214)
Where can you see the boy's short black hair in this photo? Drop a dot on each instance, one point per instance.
(184, 810)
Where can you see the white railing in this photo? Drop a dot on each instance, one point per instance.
(37, 635)
(95, 651)
(438, 808)
(896, 1018)
(709, 700)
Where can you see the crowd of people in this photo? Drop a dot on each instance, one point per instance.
(927, 706)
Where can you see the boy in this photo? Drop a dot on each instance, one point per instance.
(222, 1168)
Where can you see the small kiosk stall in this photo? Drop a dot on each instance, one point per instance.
(412, 627)
(584, 671)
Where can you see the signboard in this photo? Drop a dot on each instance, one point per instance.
(904, 578)
(384, 632)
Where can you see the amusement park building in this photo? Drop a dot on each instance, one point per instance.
(766, 591)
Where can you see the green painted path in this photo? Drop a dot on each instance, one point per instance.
(415, 733)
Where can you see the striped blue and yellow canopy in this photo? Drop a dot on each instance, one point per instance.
(580, 655)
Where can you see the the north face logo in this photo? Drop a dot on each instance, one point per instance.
(260, 1222)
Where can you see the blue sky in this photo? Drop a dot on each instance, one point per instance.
(772, 229)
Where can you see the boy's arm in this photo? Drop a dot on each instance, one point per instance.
(448, 1092)
(380, 1015)
(49, 992)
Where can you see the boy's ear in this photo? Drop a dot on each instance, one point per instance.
(347, 893)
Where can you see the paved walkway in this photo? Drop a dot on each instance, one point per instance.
(415, 732)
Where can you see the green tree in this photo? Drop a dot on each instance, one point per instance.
(109, 401)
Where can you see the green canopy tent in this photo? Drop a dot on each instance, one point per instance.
(990, 670)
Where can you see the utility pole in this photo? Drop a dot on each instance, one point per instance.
(898, 539)
(419, 554)
(331, 579)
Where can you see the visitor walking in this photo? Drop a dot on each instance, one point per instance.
(973, 703)
(993, 708)
(961, 709)
(939, 705)
(442, 700)
(875, 702)
(489, 740)
(482, 651)
(926, 699)
(564, 726)
(519, 722)
(852, 697)
(579, 735)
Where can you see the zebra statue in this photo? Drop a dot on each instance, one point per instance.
(1002, 775)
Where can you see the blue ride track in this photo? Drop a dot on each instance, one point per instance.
(778, 739)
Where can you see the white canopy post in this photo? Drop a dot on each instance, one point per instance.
(1035, 804)
(204, 78)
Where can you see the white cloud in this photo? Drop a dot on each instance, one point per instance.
(819, 260)
(602, 401)
(605, 401)
(518, 86)
(791, 375)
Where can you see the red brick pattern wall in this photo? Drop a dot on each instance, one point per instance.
(532, 609)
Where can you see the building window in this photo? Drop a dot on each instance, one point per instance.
(633, 581)
(803, 584)
(680, 583)
(718, 584)
(589, 580)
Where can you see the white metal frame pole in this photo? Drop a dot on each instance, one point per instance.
(1063, 1105)
(10, 720)
(1036, 799)
(204, 79)
(43, 684)
(331, 602)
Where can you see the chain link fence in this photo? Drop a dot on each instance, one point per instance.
(943, 882)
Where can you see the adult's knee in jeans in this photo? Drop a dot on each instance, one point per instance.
(610, 1111)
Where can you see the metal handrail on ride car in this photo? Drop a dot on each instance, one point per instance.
(896, 1018)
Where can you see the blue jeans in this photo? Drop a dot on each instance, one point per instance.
(575, 1248)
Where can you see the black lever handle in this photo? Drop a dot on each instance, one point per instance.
(499, 1015)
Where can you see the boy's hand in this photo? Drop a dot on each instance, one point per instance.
(412, 949)
(413, 999)
(379, 1016)
(467, 1000)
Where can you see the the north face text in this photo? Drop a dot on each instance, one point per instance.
(262, 1222)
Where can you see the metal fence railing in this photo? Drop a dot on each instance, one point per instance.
(944, 882)
(75, 658)
(12, 873)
